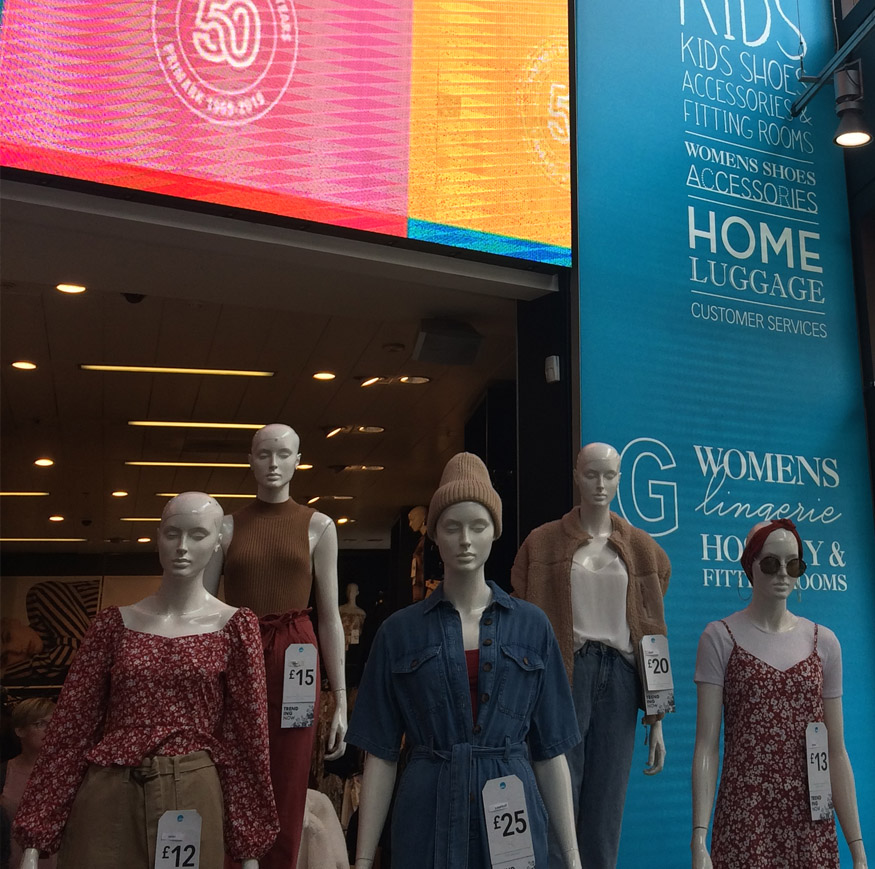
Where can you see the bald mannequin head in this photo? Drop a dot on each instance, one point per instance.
(597, 475)
(278, 432)
(194, 504)
(274, 459)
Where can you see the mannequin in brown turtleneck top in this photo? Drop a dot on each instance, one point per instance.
(273, 551)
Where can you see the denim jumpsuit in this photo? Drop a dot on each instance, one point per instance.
(416, 685)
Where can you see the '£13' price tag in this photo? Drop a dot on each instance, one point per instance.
(179, 840)
(507, 824)
(299, 685)
(817, 760)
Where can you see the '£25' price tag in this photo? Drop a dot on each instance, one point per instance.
(179, 840)
(299, 685)
(507, 824)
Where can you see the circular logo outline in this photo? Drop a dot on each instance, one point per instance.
(228, 97)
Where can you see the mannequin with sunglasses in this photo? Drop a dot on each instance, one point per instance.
(766, 674)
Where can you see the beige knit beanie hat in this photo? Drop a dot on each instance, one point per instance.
(465, 478)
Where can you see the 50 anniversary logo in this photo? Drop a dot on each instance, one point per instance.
(229, 61)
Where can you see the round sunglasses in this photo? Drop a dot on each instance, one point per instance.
(771, 564)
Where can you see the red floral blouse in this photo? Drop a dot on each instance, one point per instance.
(131, 695)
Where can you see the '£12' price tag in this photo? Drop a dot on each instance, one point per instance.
(299, 685)
(179, 840)
(507, 824)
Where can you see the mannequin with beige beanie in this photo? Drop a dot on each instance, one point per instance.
(473, 681)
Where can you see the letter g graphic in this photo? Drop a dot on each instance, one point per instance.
(645, 498)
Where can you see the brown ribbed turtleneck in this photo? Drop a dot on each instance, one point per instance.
(267, 566)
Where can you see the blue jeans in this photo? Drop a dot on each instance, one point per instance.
(605, 694)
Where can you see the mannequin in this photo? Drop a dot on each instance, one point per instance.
(272, 552)
(352, 616)
(601, 582)
(785, 670)
(415, 685)
(416, 519)
(156, 742)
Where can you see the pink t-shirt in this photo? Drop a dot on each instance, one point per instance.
(779, 650)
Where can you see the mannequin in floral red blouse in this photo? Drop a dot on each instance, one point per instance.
(164, 708)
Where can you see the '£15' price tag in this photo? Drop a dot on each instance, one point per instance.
(299, 685)
(507, 824)
(817, 760)
(179, 840)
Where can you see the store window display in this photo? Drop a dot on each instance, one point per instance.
(274, 552)
(601, 582)
(473, 681)
(766, 674)
(164, 708)
(30, 719)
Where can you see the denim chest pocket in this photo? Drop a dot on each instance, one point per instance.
(521, 674)
(419, 678)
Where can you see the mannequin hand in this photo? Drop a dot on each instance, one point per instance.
(858, 852)
(336, 746)
(701, 857)
(656, 757)
(29, 859)
(249, 864)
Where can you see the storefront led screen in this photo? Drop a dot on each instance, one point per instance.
(445, 122)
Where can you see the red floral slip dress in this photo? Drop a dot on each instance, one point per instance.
(763, 817)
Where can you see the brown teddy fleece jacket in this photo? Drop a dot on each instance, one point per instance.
(542, 575)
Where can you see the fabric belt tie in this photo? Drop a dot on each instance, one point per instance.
(270, 624)
(454, 794)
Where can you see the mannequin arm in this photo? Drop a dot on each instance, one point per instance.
(29, 859)
(331, 639)
(554, 783)
(844, 792)
(706, 760)
(656, 757)
(377, 785)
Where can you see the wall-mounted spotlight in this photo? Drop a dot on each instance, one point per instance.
(852, 131)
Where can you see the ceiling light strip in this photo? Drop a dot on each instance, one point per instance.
(162, 369)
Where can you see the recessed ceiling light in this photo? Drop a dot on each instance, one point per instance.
(416, 381)
(154, 423)
(369, 429)
(42, 540)
(140, 519)
(324, 375)
(44, 463)
(23, 365)
(371, 381)
(144, 540)
(330, 498)
(23, 494)
(345, 520)
(119, 493)
(305, 467)
(71, 289)
(334, 431)
(190, 464)
(363, 468)
(161, 369)
(56, 518)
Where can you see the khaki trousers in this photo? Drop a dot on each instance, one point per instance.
(114, 819)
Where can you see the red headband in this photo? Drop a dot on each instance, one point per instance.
(754, 546)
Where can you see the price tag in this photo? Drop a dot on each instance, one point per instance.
(656, 674)
(179, 840)
(817, 760)
(299, 685)
(507, 824)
